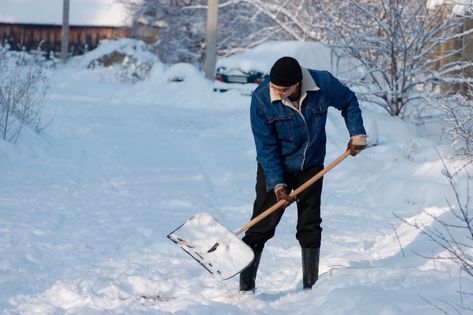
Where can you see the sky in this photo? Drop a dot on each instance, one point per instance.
(88, 12)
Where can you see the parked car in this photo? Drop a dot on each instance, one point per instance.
(239, 76)
(234, 78)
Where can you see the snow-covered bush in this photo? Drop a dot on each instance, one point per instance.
(24, 84)
(133, 69)
(458, 114)
(131, 59)
(180, 72)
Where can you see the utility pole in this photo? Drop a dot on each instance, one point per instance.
(211, 39)
(65, 31)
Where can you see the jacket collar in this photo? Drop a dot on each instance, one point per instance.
(308, 84)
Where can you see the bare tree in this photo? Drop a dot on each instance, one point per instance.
(298, 20)
(24, 84)
(180, 31)
(242, 26)
(395, 45)
(181, 27)
(458, 115)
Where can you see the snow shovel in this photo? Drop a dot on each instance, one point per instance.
(219, 250)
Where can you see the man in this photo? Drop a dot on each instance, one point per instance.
(288, 116)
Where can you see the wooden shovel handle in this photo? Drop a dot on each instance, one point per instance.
(296, 192)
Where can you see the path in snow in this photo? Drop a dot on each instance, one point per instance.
(85, 210)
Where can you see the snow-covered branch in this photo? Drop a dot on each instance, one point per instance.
(398, 45)
(24, 84)
(242, 24)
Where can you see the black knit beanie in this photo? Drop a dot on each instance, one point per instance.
(286, 71)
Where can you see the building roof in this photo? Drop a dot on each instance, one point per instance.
(82, 12)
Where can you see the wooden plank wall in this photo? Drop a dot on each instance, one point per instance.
(47, 37)
(464, 46)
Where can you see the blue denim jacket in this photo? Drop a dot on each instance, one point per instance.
(288, 139)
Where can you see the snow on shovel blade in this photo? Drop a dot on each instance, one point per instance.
(216, 248)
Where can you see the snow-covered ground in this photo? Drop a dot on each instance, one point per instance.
(86, 206)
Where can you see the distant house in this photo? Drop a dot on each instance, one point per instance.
(47, 37)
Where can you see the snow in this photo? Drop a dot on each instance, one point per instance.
(85, 207)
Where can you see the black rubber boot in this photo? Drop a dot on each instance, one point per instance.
(248, 276)
(310, 267)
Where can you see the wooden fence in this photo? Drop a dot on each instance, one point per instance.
(47, 37)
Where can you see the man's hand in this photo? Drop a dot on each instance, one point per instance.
(357, 144)
(282, 194)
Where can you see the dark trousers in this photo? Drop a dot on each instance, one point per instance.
(309, 231)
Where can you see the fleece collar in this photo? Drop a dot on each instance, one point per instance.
(308, 84)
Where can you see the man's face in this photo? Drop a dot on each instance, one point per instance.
(284, 91)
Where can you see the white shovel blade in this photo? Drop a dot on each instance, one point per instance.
(216, 248)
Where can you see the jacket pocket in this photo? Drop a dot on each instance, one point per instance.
(284, 126)
(279, 118)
